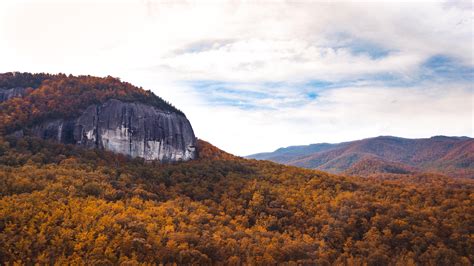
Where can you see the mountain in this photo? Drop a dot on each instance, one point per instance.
(65, 204)
(452, 156)
(70, 199)
(95, 112)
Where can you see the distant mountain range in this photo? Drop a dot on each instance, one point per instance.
(452, 156)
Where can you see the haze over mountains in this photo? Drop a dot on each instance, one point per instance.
(453, 156)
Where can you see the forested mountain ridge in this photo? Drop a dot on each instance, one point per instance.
(68, 205)
(58, 95)
(453, 156)
(95, 112)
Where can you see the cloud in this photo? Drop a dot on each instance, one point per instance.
(269, 60)
(339, 114)
(254, 76)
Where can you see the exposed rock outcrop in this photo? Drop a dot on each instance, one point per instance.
(129, 128)
(6, 94)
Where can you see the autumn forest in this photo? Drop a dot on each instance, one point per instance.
(64, 204)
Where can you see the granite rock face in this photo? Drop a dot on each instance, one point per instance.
(6, 94)
(130, 128)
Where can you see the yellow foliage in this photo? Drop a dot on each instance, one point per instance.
(81, 207)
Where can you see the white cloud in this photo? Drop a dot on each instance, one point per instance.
(340, 115)
(165, 45)
(71, 34)
(268, 60)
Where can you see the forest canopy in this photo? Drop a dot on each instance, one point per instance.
(67, 205)
(62, 96)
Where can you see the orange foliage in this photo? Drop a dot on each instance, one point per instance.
(208, 151)
(61, 96)
(66, 205)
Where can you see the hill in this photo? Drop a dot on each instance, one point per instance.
(102, 113)
(453, 156)
(69, 205)
(45, 96)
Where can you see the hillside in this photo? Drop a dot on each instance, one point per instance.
(46, 96)
(453, 156)
(93, 112)
(68, 205)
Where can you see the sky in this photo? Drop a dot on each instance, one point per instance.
(253, 76)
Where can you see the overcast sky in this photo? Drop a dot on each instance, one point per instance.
(253, 76)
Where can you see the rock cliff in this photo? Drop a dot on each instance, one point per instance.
(130, 128)
(6, 94)
(94, 112)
